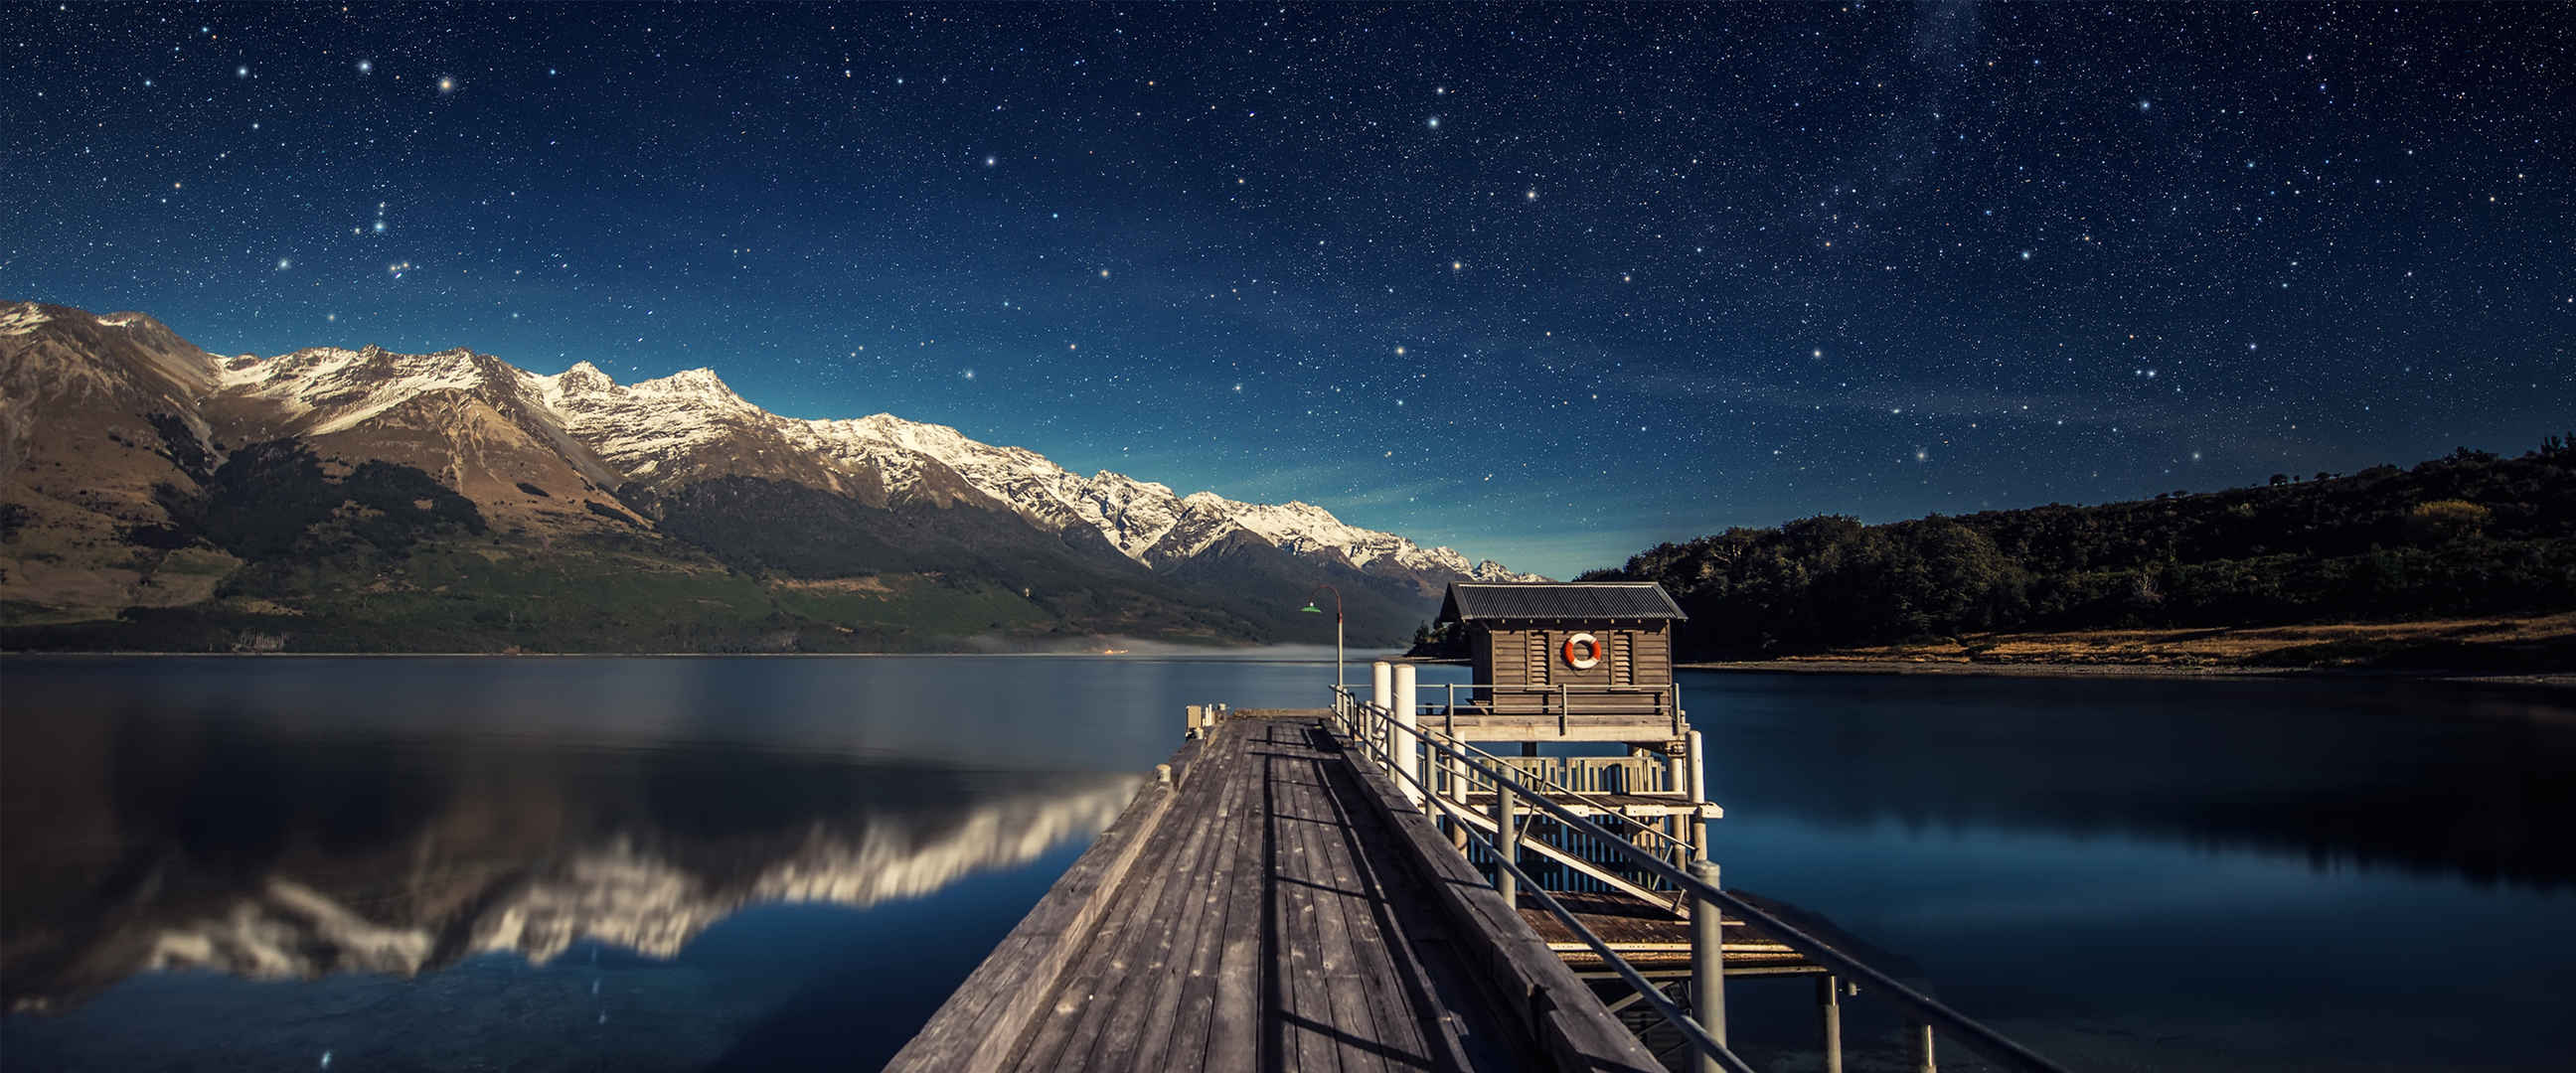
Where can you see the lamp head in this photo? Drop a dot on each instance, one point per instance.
(1311, 609)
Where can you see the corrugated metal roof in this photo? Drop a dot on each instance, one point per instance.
(1469, 601)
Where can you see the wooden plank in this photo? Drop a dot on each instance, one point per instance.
(1146, 983)
(1079, 990)
(1334, 879)
(1557, 1009)
(1241, 1007)
(1289, 961)
(1394, 971)
(1142, 1028)
(979, 1025)
(1125, 943)
(1377, 936)
(1074, 1013)
(1175, 1034)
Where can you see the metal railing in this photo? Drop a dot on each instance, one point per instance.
(1454, 780)
(1385, 736)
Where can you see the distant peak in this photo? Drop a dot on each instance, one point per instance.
(22, 318)
(698, 379)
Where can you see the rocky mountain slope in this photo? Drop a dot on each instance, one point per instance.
(156, 495)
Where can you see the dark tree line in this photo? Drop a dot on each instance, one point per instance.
(2471, 533)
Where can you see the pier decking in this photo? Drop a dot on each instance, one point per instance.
(1276, 906)
(1345, 889)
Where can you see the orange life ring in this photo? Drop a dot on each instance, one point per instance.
(1592, 655)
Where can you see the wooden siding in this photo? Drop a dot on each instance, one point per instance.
(1532, 654)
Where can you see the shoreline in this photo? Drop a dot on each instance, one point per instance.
(1813, 665)
(1248, 653)
(1961, 668)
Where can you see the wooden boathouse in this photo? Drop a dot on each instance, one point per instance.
(1567, 662)
(1359, 887)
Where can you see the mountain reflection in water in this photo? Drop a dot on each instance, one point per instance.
(573, 864)
(161, 844)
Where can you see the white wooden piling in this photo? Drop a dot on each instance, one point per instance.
(1708, 964)
(1699, 796)
(1829, 1004)
(1407, 752)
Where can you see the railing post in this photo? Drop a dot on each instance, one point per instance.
(1921, 1036)
(1506, 846)
(1676, 776)
(1407, 753)
(1829, 1007)
(1698, 796)
(1457, 787)
(1708, 963)
(1381, 692)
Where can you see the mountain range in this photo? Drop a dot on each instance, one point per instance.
(157, 496)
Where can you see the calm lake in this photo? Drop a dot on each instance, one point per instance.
(540, 864)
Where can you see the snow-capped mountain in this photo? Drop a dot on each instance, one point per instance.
(117, 433)
(691, 424)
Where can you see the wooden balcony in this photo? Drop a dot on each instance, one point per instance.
(1636, 714)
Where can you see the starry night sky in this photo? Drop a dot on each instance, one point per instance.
(1548, 284)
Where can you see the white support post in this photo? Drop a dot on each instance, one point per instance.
(1407, 752)
(1456, 786)
(1381, 691)
(1677, 825)
(1829, 1005)
(1698, 796)
(1708, 965)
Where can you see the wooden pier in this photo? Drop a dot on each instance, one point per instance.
(1273, 906)
(1353, 889)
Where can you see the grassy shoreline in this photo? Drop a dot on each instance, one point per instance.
(2538, 649)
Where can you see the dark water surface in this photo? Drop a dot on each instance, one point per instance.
(766, 863)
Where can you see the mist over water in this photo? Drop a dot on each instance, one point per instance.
(761, 863)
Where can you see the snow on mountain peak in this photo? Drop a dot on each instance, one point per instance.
(22, 318)
(691, 424)
(344, 388)
(700, 381)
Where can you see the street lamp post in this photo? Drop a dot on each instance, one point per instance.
(1338, 661)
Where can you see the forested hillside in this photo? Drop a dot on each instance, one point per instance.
(2469, 534)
